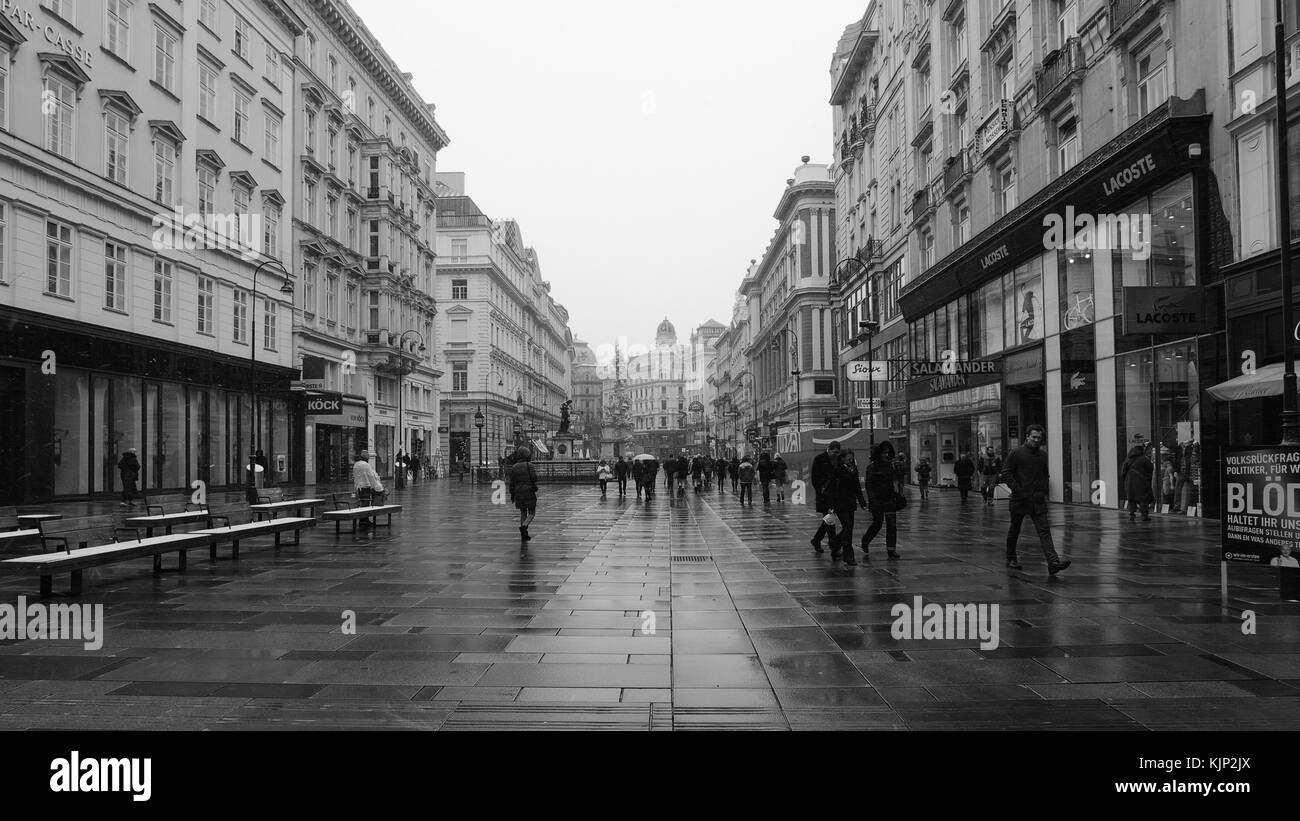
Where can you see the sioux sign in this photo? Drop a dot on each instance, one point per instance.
(866, 370)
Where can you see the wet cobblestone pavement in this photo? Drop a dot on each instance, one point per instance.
(457, 628)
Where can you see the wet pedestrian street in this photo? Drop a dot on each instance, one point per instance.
(688, 613)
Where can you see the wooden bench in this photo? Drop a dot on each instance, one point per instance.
(12, 537)
(183, 512)
(75, 560)
(345, 511)
(296, 505)
(248, 530)
(13, 519)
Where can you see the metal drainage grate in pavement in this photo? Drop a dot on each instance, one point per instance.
(691, 558)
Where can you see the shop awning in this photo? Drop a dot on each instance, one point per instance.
(541, 447)
(1265, 381)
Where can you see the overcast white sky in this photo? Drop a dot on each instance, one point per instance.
(642, 147)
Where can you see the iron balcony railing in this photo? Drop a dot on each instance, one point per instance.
(1058, 68)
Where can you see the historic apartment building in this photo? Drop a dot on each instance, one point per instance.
(505, 342)
(365, 144)
(969, 135)
(146, 172)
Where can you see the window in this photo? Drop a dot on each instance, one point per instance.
(1004, 79)
(309, 289)
(460, 289)
(309, 130)
(241, 117)
(1067, 22)
(374, 310)
(272, 64)
(268, 323)
(309, 201)
(115, 276)
(352, 161)
(4, 226)
(374, 238)
(239, 318)
(164, 170)
(207, 189)
(1067, 144)
(240, 195)
(961, 223)
(270, 229)
(333, 148)
(352, 229)
(207, 299)
(58, 258)
(1004, 193)
(117, 27)
(4, 86)
(242, 36)
(459, 250)
(63, 8)
(332, 215)
(352, 306)
(272, 138)
(460, 376)
(164, 62)
(663, 422)
(208, 92)
(311, 51)
(116, 130)
(332, 297)
(1151, 88)
(823, 387)
(208, 13)
(388, 128)
(162, 290)
(927, 248)
(334, 74)
(61, 96)
(370, 112)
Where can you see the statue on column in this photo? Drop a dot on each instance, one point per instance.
(564, 416)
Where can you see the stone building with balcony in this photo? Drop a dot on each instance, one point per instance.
(503, 339)
(365, 144)
(1032, 115)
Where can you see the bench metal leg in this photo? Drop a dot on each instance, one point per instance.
(212, 551)
(47, 587)
(234, 554)
(337, 524)
(182, 562)
(297, 532)
(76, 582)
(277, 539)
(157, 563)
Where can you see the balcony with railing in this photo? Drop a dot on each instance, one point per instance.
(1059, 71)
(921, 205)
(1127, 16)
(1292, 56)
(1000, 124)
(924, 123)
(956, 171)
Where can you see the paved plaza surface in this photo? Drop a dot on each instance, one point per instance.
(457, 628)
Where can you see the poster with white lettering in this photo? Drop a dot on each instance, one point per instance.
(1261, 504)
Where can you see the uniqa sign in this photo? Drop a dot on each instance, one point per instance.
(24, 18)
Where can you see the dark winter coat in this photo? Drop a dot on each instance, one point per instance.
(1025, 472)
(778, 469)
(822, 465)
(735, 467)
(129, 465)
(746, 473)
(880, 487)
(620, 469)
(764, 470)
(923, 473)
(1136, 475)
(523, 483)
(683, 466)
(844, 489)
(965, 469)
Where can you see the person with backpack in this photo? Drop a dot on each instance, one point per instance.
(882, 499)
(923, 477)
(1135, 476)
(990, 469)
(746, 473)
(523, 484)
(965, 472)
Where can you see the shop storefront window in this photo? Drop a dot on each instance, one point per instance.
(67, 450)
(214, 454)
(942, 335)
(118, 417)
(1173, 235)
(1023, 304)
(383, 449)
(167, 435)
(921, 346)
(986, 320)
(241, 435)
(1080, 446)
(278, 451)
(1172, 387)
(1077, 306)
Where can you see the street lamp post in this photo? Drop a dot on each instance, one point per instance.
(795, 372)
(256, 440)
(401, 391)
(478, 423)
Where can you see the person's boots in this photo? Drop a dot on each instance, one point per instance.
(523, 533)
(848, 553)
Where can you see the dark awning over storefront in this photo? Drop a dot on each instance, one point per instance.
(1153, 152)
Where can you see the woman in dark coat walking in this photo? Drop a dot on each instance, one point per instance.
(880, 499)
(523, 487)
(1135, 476)
(129, 467)
(845, 491)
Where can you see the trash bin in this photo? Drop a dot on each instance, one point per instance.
(1288, 585)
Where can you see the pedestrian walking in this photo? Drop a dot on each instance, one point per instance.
(399, 470)
(638, 474)
(1025, 472)
(709, 468)
(651, 467)
(965, 470)
(882, 500)
(779, 476)
(722, 474)
(844, 487)
(370, 490)
(900, 472)
(128, 467)
(823, 464)
(523, 483)
(733, 471)
(765, 476)
(746, 480)
(923, 477)
(683, 470)
(620, 473)
(697, 472)
(990, 467)
(603, 475)
(1135, 476)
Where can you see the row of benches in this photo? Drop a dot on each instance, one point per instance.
(99, 541)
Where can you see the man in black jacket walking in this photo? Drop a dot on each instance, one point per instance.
(620, 473)
(1025, 472)
(822, 465)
